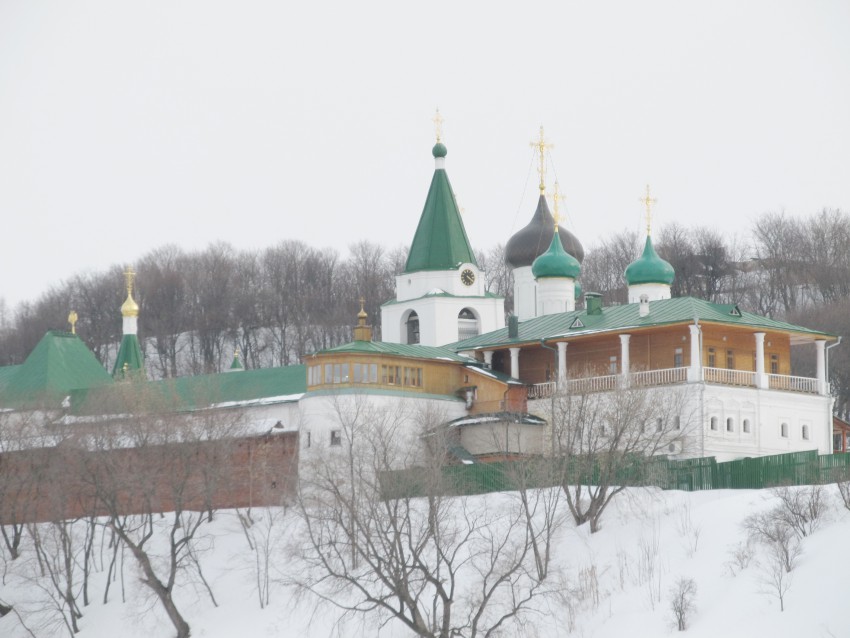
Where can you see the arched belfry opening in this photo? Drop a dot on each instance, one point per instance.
(412, 327)
(467, 324)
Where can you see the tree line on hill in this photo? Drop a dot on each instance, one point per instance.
(280, 304)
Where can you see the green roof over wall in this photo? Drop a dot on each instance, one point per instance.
(681, 310)
(398, 350)
(260, 385)
(440, 242)
(58, 364)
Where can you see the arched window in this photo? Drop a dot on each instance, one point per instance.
(412, 325)
(659, 424)
(746, 426)
(730, 425)
(467, 324)
(714, 423)
(805, 432)
(783, 430)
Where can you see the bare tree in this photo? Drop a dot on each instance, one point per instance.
(682, 601)
(441, 566)
(154, 474)
(606, 441)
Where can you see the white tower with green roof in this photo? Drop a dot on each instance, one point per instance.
(649, 276)
(440, 296)
(129, 361)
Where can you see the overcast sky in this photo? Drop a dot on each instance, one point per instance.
(127, 125)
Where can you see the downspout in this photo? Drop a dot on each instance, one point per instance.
(832, 399)
(701, 392)
(552, 401)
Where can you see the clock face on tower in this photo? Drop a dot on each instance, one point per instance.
(467, 277)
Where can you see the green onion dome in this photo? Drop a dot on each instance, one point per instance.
(439, 150)
(556, 262)
(649, 268)
(529, 242)
(578, 289)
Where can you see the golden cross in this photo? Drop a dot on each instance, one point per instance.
(648, 202)
(129, 277)
(557, 196)
(72, 319)
(438, 124)
(541, 146)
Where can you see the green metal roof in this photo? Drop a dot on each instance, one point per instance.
(649, 268)
(6, 373)
(440, 242)
(129, 354)
(397, 349)
(58, 364)
(680, 310)
(261, 385)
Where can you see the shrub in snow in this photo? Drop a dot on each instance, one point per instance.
(682, 601)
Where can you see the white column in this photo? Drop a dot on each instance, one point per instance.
(821, 365)
(488, 358)
(695, 371)
(624, 355)
(562, 363)
(761, 378)
(514, 362)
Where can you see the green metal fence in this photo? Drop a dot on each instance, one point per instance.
(797, 468)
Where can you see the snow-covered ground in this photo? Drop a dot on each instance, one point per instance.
(618, 580)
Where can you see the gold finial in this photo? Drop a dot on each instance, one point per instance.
(557, 196)
(236, 353)
(130, 308)
(438, 125)
(362, 332)
(541, 145)
(72, 319)
(648, 202)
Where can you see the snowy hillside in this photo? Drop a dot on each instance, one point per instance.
(614, 583)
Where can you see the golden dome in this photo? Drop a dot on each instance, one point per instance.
(130, 308)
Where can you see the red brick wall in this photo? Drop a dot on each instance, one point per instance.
(68, 481)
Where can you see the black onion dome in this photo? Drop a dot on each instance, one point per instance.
(530, 242)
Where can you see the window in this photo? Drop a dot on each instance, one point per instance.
(730, 425)
(336, 437)
(730, 359)
(783, 430)
(659, 424)
(391, 375)
(836, 442)
(329, 373)
(712, 358)
(774, 364)
(412, 325)
(746, 426)
(805, 432)
(309, 440)
(677, 423)
(678, 358)
(714, 423)
(612, 364)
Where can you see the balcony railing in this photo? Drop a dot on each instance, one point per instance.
(670, 376)
(593, 384)
(542, 390)
(666, 376)
(724, 376)
(792, 384)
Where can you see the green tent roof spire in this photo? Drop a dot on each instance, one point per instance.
(129, 360)
(440, 242)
